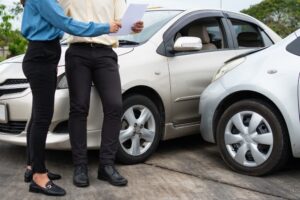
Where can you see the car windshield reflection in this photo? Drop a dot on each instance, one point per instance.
(153, 22)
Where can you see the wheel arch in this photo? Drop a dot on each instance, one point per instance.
(151, 94)
(242, 95)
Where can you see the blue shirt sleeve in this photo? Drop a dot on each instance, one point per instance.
(51, 11)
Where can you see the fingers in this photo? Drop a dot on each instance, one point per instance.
(115, 26)
(119, 24)
(138, 27)
(140, 23)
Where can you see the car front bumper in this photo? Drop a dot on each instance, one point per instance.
(209, 102)
(54, 141)
(19, 113)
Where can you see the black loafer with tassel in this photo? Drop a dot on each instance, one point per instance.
(50, 190)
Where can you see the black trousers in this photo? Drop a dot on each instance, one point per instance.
(28, 136)
(84, 65)
(40, 68)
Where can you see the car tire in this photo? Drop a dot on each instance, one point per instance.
(262, 146)
(146, 135)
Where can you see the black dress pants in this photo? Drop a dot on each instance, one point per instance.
(86, 64)
(28, 136)
(40, 68)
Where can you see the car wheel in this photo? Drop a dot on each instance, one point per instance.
(141, 130)
(252, 138)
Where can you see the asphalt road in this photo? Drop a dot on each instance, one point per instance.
(186, 168)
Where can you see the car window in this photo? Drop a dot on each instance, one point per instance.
(294, 47)
(247, 35)
(209, 30)
(153, 22)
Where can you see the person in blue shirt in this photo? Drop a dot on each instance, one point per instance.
(43, 25)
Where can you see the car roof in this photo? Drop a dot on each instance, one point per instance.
(154, 8)
(158, 8)
(298, 32)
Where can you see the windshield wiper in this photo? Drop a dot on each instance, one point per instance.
(128, 42)
(245, 54)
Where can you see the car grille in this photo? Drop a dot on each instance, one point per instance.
(62, 128)
(11, 86)
(12, 91)
(13, 128)
(14, 82)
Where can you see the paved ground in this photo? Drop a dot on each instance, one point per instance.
(186, 168)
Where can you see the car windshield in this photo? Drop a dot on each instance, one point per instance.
(153, 22)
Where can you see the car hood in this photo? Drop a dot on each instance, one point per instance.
(19, 59)
(123, 50)
(12, 68)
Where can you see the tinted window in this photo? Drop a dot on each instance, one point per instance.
(294, 47)
(247, 35)
(209, 30)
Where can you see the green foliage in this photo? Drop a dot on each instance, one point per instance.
(9, 37)
(17, 43)
(16, 10)
(283, 16)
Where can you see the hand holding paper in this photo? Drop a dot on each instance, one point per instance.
(114, 27)
(133, 14)
(138, 27)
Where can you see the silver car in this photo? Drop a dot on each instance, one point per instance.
(163, 71)
(251, 110)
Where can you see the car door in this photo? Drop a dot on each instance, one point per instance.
(192, 71)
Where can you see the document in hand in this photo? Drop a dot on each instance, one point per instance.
(133, 14)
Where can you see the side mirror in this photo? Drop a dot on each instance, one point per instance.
(188, 44)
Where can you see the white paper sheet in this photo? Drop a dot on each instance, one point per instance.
(133, 14)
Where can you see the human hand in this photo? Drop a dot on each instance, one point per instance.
(115, 26)
(138, 27)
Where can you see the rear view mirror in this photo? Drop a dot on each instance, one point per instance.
(188, 44)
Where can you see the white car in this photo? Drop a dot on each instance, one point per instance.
(163, 70)
(251, 110)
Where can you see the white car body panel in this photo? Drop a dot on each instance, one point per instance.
(267, 73)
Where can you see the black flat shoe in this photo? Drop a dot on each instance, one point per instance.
(80, 176)
(28, 176)
(110, 174)
(50, 190)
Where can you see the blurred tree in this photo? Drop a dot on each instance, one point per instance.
(8, 36)
(283, 16)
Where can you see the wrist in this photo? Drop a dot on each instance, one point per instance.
(106, 27)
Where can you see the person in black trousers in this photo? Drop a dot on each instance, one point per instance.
(84, 65)
(92, 60)
(42, 25)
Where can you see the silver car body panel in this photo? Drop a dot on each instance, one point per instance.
(190, 75)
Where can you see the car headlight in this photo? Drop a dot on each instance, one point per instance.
(227, 67)
(62, 82)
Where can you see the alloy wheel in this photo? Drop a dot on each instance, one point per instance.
(138, 130)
